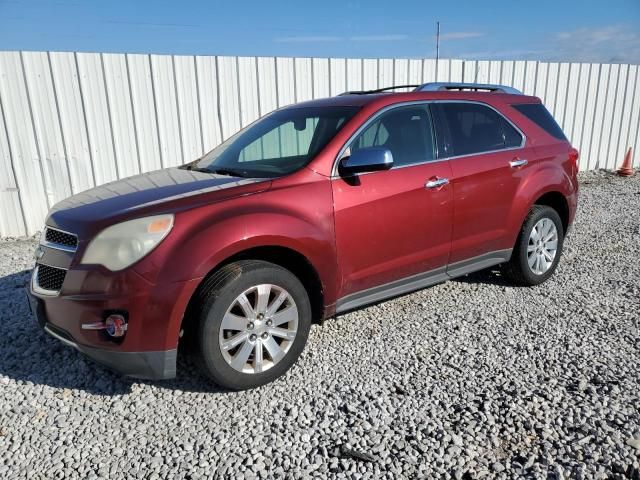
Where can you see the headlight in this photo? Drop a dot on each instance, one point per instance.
(123, 244)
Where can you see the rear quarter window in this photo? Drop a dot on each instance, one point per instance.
(538, 114)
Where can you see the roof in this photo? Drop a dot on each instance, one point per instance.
(362, 99)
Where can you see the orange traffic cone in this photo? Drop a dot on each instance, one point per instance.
(626, 170)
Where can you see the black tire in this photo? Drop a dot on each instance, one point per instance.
(218, 294)
(517, 270)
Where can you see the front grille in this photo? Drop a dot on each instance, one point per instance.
(50, 278)
(60, 238)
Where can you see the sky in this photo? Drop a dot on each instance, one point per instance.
(558, 30)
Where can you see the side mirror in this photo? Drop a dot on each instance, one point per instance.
(371, 159)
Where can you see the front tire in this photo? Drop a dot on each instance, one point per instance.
(537, 251)
(254, 321)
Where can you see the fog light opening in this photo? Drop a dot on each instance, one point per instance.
(116, 325)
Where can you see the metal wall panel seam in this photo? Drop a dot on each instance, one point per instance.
(633, 102)
(600, 137)
(13, 168)
(218, 101)
(617, 115)
(239, 90)
(48, 189)
(613, 114)
(108, 103)
(46, 125)
(177, 97)
(255, 61)
(133, 115)
(346, 79)
(637, 145)
(593, 120)
(567, 90)
(62, 135)
(586, 118)
(64, 81)
(575, 102)
(86, 121)
(155, 108)
(624, 106)
(195, 73)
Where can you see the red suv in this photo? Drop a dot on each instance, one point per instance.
(313, 210)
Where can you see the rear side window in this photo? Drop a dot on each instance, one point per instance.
(512, 137)
(538, 114)
(475, 128)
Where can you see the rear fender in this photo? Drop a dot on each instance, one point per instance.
(547, 177)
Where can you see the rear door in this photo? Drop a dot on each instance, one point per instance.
(488, 162)
(389, 224)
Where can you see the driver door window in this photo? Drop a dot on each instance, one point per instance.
(406, 131)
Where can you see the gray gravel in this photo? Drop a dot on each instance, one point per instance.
(469, 379)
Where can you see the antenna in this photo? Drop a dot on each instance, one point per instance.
(437, 41)
(437, 47)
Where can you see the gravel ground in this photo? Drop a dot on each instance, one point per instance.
(469, 379)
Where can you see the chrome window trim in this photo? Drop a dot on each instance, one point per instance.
(373, 118)
(35, 288)
(57, 246)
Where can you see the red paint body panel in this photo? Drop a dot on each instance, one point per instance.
(357, 233)
(484, 189)
(389, 226)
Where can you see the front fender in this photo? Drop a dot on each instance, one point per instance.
(299, 218)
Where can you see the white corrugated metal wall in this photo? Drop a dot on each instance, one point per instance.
(69, 121)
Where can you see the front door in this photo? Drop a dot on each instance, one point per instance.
(394, 224)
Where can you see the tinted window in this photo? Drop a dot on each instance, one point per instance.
(279, 143)
(475, 128)
(512, 137)
(538, 114)
(406, 131)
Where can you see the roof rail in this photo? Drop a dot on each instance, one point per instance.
(380, 90)
(445, 86)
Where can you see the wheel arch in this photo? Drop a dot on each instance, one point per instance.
(559, 203)
(547, 184)
(285, 257)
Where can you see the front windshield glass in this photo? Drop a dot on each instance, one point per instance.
(278, 144)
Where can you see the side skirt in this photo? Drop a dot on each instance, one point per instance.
(421, 280)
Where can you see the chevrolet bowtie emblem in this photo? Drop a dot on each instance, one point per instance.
(38, 253)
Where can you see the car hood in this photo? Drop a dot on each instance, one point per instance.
(170, 189)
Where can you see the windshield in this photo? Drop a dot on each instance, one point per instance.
(278, 144)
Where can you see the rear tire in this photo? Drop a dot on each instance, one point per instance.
(254, 320)
(537, 251)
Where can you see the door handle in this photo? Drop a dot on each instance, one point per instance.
(516, 162)
(439, 182)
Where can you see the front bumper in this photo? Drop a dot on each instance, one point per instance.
(150, 365)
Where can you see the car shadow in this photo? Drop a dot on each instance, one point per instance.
(28, 355)
(489, 276)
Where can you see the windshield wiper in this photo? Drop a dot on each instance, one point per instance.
(228, 171)
(193, 168)
(215, 171)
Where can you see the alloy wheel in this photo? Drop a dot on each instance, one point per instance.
(542, 246)
(258, 328)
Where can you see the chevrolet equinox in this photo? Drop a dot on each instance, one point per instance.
(313, 210)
